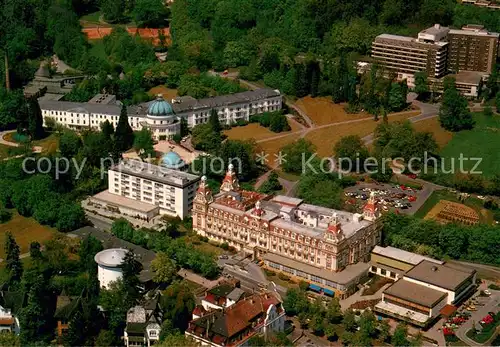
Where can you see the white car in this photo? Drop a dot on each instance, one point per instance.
(487, 292)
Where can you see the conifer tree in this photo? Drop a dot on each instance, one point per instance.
(14, 265)
(214, 121)
(35, 119)
(124, 135)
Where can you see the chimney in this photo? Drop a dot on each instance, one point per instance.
(437, 26)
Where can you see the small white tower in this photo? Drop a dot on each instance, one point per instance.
(109, 263)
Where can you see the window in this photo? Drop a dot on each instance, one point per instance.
(152, 333)
(383, 272)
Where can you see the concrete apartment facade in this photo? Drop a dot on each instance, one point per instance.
(468, 53)
(472, 48)
(160, 116)
(312, 243)
(143, 190)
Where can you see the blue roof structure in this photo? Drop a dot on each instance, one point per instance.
(160, 108)
(172, 160)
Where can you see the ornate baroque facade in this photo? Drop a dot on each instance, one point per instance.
(316, 237)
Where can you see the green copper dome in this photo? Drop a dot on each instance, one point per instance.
(160, 108)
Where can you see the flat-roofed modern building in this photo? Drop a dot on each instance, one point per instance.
(469, 52)
(407, 55)
(143, 190)
(423, 291)
(393, 262)
(160, 116)
(472, 48)
(326, 247)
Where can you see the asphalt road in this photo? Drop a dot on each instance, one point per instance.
(99, 223)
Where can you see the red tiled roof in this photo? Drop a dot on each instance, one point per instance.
(6, 321)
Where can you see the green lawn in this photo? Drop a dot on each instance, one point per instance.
(92, 17)
(485, 216)
(8, 151)
(481, 142)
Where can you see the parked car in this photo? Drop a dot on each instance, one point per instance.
(487, 292)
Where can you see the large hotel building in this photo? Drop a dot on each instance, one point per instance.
(325, 247)
(160, 116)
(468, 53)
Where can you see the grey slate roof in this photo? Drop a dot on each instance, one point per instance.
(186, 104)
(112, 109)
(225, 100)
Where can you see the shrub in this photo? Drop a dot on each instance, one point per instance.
(283, 277)
(5, 215)
(494, 286)
(224, 246)
(269, 272)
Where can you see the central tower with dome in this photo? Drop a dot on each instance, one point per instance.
(161, 119)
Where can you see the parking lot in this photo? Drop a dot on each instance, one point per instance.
(391, 197)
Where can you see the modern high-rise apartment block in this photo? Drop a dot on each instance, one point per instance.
(469, 53)
(407, 55)
(143, 190)
(472, 48)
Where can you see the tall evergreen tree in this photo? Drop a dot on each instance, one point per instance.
(184, 127)
(35, 119)
(315, 78)
(124, 135)
(214, 121)
(302, 84)
(14, 265)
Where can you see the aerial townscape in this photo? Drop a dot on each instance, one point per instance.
(249, 173)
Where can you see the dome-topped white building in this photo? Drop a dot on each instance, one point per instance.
(161, 119)
(160, 116)
(109, 264)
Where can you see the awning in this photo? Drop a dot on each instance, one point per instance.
(328, 292)
(447, 310)
(315, 287)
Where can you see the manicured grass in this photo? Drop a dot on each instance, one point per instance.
(48, 144)
(256, 132)
(481, 142)
(25, 230)
(325, 139)
(322, 110)
(167, 93)
(272, 147)
(8, 151)
(485, 216)
(432, 125)
(92, 17)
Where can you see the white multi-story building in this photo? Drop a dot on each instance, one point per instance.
(160, 116)
(143, 190)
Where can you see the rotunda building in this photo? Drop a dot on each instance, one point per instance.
(109, 264)
(161, 119)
